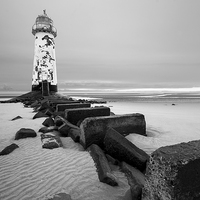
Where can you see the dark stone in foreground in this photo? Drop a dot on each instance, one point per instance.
(9, 149)
(51, 140)
(122, 149)
(39, 115)
(67, 129)
(75, 115)
(25, 133)
(93, 129)
(58, 120)
(48, 122)
(136, 180)
(15, 118)
(103, 169)
(173, 173)
(61, 196)
(48, 129)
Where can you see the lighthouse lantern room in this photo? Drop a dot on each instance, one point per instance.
(44, 65)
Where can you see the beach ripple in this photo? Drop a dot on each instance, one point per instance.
(33, 173)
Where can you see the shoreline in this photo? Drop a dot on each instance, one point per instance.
(165, 125)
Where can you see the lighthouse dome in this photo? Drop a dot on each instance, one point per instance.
(44, 23)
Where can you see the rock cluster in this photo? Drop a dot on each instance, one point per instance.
(97, 129)
(168, 173)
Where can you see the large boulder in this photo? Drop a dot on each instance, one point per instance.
(54, 102)
(122, 149)
(77, 114)
(51, 140)
(48, 122)
(48, 129)
(25, 133)
(63, 107)
(93, 129)
(173, 173)
(7, 150)
(103, 169)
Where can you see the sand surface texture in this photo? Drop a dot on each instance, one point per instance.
(31, 172)
(166, 124)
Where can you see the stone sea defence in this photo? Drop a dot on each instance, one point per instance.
(93, 130)
(171, 172)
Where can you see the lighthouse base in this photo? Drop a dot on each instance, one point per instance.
(52, 88)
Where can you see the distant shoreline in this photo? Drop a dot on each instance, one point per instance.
(7, 96)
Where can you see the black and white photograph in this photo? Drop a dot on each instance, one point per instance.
(100, 100)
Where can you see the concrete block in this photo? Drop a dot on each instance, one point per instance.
(51, 140)
(122, 149)
(62, 107)
(61, 101)
(67, 129)
(75, 115)
(93, 129)
(103, 169)
(173, 173)
(136, 180)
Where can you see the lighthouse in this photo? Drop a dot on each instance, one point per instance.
(44, 76)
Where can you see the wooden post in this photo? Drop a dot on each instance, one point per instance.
(45, 88)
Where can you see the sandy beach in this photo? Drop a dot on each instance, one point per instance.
(31, 172)
(166, 124)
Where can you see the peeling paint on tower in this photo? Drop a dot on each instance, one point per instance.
(44, 64)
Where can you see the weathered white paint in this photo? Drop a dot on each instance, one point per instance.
(44, 65)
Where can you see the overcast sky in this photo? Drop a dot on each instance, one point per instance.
(125, 43)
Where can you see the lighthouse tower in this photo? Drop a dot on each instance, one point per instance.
(44, 77)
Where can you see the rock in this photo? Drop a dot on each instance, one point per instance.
(103, 169)
(65, 127)
(74, 133)
(64, 130)
(9, 149)
(61, 196)
(136, 180)
(112, 160)
(173, 172)
(25, 133)
(48, 129)
(63, 107)
(58, 121)
(44, 105)
(75, 115)
(54, 102)
(49, 112)
(48, 122)
(35, 104)
(60, 113)
(50, 141)
(122, 149)
(39, 115)
(93, 129)
(15, 118)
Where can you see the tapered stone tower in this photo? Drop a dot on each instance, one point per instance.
(44, 65)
